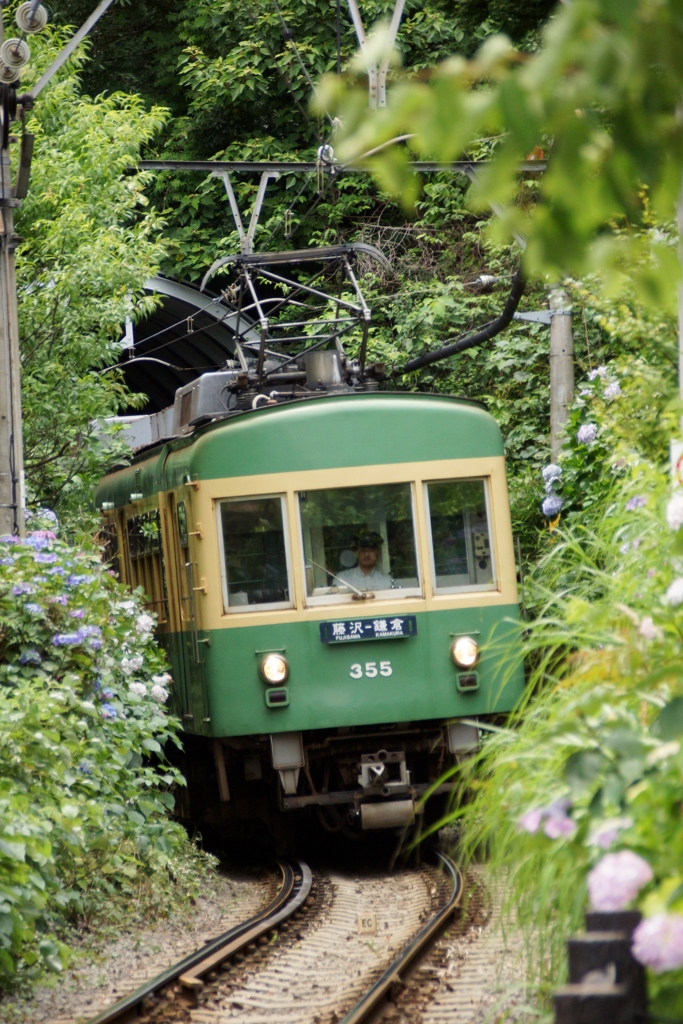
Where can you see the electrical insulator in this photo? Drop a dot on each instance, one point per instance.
(29, 19)
(15, 53)
(9, 75)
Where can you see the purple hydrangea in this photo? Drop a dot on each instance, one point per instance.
(77, 613)
(587, 433)
(557, 823)
(57, 571)
(38, 542)
(552, 506)
(109, 712)
(607, 832)
(22, 588)
(600, 371)
(67, 639)
(612, 390)
(33, 608)
(45, 557)
(30, 657)
(107, 694)
(658, 942)
(8, 560)
(59, 599)
(95, 643)
(86, 631)
(636, 502)
(10, 538)
(617, 879)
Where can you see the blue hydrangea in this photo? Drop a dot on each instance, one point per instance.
(85, 631)
(552, 506)
(8, 560)
(76, 581)
(57, 571)
(95, 643)
(30, 657)
(59, 599)
(22, 588)
(33, 608)
(45, 557)
(37, 542)
(10, 538)
(107, 694)
(66, 639)
(109, 712)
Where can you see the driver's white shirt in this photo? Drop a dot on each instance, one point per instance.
(373, 580)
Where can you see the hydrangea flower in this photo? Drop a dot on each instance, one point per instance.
(144, 623)
(674, 511)
(66, 639)
(76, 580)
(22, 588)
(552, 506)
(10, 538)
(95, 643)
(636, 502)
(30, 657)
(8, 560)
(33, 608)
(600, 371)
(107, 694)
(557, 823)
(45, 557)
(85, 767)
(57, 571)
(587, 433)
(59, 599)
(607, 832)
(86, 631)
(139, 689)
(658, 942)
(585, 392)
(617, 879)
(109, 712)
(674, 594)
(551, 473)
(45, 514)
(130, 665)
(612, 390)
(160, 694)
(648, 630)
(77, 613)
(163, 679)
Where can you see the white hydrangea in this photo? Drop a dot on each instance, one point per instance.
(674, 511)
(139, 689)
(600, 371)
(648, 630)
(587, 433)
(130, 665)
(162, 680)
(160, 694)
(612, 390)
(144, 623)
(674, 594)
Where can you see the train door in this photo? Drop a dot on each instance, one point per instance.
(191, 641)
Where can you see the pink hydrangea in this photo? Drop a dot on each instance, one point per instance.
(658, 942)
(558, 826)
(531, 821)
(617, 879)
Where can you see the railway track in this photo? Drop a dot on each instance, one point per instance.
(206, 988)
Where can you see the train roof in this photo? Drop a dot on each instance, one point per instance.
(385, 427)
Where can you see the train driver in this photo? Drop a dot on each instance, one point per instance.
(365, 575)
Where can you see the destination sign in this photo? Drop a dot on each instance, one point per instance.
(351, 630)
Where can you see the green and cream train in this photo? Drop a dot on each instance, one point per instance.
(334, 581)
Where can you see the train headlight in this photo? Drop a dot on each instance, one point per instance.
(274, 669)
(465, 652)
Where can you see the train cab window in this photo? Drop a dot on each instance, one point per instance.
(462, 554)
(147, 561)
(255, 563)
(359, 539)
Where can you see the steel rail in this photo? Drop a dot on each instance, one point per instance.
(189, 970)
(371, 1002)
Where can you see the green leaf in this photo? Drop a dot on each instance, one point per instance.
(669, 722)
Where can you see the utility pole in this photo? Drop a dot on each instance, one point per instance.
(561, 367)
(30, 17)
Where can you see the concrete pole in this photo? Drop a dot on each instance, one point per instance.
(561, 369)
(680, 307)
(11, 436)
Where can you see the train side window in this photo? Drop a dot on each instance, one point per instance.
(147, 561)
(109, 537)
(460, 535)
(255, 559)
(359, 539)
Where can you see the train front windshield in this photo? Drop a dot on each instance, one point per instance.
(359, 539)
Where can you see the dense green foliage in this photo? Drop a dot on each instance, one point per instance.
(84, 786)
(89, 242)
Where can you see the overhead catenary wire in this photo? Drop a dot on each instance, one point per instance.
(288, 36)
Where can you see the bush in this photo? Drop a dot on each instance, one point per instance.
(84, 787)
